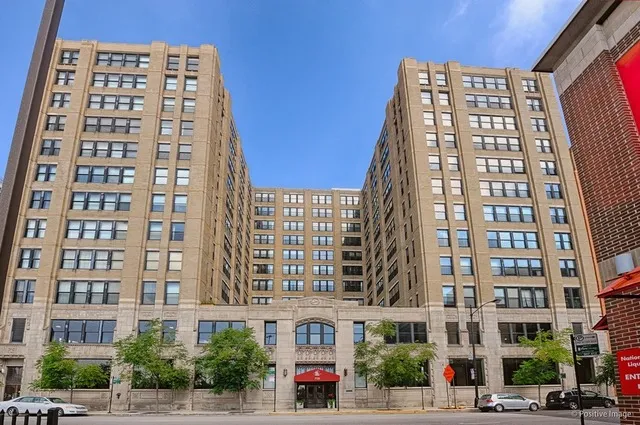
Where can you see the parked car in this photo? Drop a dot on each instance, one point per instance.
(33, 404)
(569, 400)
(506, 401)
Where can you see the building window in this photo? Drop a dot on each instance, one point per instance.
(35, 228)
(24, 291)
(188, 105)
(434, 162)
(109, 175)
(447, 119)
(358, 332)
(407, 333)
(432, 140)
(126, 81)
(123, 59)
(466, 266)
(177, 231)
(65, 78)
(113, 102)
(60, 100)
(92, 259)
(534, 104)
(512, 240)
(453, 163)
(516, 214)
(481, 82)
(443, 98)
(543, 146)
(529, 85)
(446, 266)
(269, 380)
(568, 268)
(441, 79)
(299, 269)
(496, 143)
(463, 238)
(29, 258)
(186, 128)
(94, 149)
(190, 84)
(510, 333)
(82, 331)
(563, 240)
(182, 177)
(465, 372)
(168, 104)
(586, 372)
(55, 122)
(323, 199)
(482, 101)
(497, 122)
(96, 229)
(519, 297)
(440, 211)
(443, 237)
(423, 78)
(453, 333)
(69, 57)
(148, 293)
(450, 141)
(270, 333)
(100, 201)
(315, 334)
(323, 286)
(87, 292)
(262, 284)
(449, 296)
(292, 285)
(17, 330)
(437, 187)
(504, 189)
(573, 298)
(50, 147)
(429, 118)
(456, 186)
(193, 63)
(497, 165)
(426, 97)
(152, 259)
(516, 267)
(173, 63)
(175, 261)
(206, 329)
(473, 331)
(112, 125)
(352, 285)
(171, 293)
(558, 215)
(511, 365)
(459, 212)
(538, 124)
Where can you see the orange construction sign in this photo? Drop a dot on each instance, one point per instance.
(448, 373)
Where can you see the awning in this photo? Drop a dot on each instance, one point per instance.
(602, 324)
(316, 375)
(626, 281)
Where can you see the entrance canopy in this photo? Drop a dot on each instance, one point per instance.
(316, 375)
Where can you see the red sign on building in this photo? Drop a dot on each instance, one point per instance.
(629, 371)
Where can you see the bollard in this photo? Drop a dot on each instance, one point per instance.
(52, 416)
(1, 417)
(39, 418)
(14, 420)
(26, 417)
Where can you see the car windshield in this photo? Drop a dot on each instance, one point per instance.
(485, 396)
(56, 400)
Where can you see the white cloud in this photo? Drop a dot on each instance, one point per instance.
(459, 10)
(529, 25)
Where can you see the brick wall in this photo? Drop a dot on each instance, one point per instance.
(623, 318)
(606, 148)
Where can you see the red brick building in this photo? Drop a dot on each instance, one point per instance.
(596, 64)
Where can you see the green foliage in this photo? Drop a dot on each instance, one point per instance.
(605, 373)
(150, 361)
(389, 365)
(55, 370)
(89, 376)
(233, 361)
(550, 346)
(535, 372)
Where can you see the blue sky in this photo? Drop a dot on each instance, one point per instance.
(309, 79)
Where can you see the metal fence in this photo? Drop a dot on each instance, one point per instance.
(49, 417)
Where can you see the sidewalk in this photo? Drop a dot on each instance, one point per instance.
(392, 411)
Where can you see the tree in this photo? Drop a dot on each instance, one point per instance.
(549, 349)
(605, 373)
(535, 372)
(55, 369)
(149, 357)
(233, 361)
(391, 365)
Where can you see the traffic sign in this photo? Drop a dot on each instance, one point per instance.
(448, 373)
(116, 380)
(629, 371)
(586, 345)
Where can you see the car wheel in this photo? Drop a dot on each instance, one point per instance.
(573, 405)
(60, 412)
(533, 407)
(498, 408)
(12, 411)
(607, 404)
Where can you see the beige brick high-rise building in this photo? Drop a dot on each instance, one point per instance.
(138, 205)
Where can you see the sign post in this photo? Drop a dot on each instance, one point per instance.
(114, 381)
(448, 374)
(575, 366)
(629, 371)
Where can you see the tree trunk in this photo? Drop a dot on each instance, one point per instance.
(388, 398)
(157, 396)
(71, 395)
(539, 401)
(240, 400)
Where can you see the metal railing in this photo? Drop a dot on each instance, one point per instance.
(14, 418)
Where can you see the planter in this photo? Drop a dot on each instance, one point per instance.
(300, 404)
(331, 404)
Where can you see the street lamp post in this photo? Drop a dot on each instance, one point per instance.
(473, 349)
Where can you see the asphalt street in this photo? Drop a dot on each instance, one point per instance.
(596, 417)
